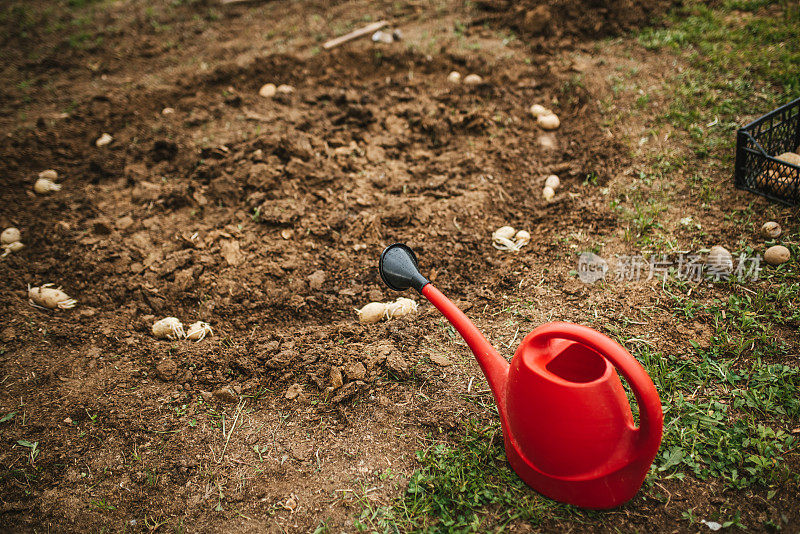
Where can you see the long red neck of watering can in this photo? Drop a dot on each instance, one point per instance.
(494, 366)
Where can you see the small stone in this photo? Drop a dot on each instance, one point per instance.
(336, 377)
(285, 89)
(316, 280)
(225, 394)
(355, 371)
(167, 369)
(294, 391)
(68, 421)
(207, 396)
(168, 111)
(441, 360)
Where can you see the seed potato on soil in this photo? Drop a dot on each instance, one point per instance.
(548, 122)
(49, 174)
(472, 79)
(268, 90)
(103, 140)
(10, 235)
(537, 110)
(454, 77)
(44, 186)
(168, 328)
(720, 259)
(771, 230)
(46, 296)
(400, 308)
(198, 331)
(548, 193)
(777, 255)
(552, 182)
(372, 312)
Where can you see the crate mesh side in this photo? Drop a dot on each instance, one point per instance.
(779, 132)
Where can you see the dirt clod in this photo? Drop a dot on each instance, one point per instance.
(225, 394)
(294, 391)
(441, 360)
(167, 369)
(355, 371)
(336, 377)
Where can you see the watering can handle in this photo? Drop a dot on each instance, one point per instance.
(651, 418)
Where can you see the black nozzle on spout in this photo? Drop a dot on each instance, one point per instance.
(398, 268)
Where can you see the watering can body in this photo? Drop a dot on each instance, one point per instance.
(567, 424)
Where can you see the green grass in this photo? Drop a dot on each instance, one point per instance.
(738, 66)
(466, 486)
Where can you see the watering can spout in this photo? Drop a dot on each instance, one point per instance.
(398, 269)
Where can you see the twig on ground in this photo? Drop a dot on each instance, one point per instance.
(361, 32)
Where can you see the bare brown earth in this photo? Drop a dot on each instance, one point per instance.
(265, 218)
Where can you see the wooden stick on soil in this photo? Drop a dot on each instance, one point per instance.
(369, 28)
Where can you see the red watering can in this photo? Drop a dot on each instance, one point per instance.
(568, 428)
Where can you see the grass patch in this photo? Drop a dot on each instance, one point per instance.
(740, 64)
(466, 486)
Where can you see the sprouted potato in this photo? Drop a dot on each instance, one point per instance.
(44, 186)
(522, 238)
(400, 308)
(168, 328)
(372, 312)
(507, 238)
(199, 330)
(47, 296)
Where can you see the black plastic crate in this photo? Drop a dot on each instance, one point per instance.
(756, 169)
